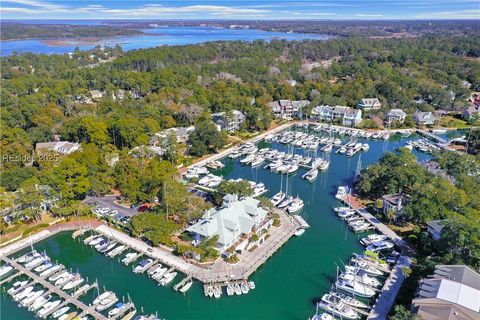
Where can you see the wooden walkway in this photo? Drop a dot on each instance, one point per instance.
(50, 287)
(391, 287)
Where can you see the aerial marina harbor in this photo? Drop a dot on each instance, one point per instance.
(308, 187)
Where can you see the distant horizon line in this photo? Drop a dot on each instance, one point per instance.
(238, 19)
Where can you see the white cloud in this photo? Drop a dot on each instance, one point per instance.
(367, 15)
(454, 14)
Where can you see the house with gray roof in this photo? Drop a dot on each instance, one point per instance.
(424, 118)
(229, 121)
(182, 134)
(395, 115)
(345, 115)
(471, 112)
(62, 147)
(369, 104)
(451, 293)
(288, 109)
(434, 228)
(235, 218)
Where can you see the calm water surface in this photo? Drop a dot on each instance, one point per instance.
(286, 286)
(157, 37)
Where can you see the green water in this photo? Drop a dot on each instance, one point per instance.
(287, 285)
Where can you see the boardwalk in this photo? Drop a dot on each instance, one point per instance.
(395, 280)
(50, 287)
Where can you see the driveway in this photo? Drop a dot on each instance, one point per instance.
(109, 202)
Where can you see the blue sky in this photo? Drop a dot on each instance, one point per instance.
(227, 9)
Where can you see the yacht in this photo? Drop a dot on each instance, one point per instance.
(48, 307)
(107, 303)
(244, 287)
(209, 291)
(16, 286)
(55, 277)
(350, 152)
(129, 257)
(274, 165)
(355, 288)
(73, 283)
(327, 148)
(323, 316)
(365, 267)
(257, 161)
(259, 190)
(96, 241)
(89, 238)
(110, 246)
(81, 290)
(337, 142)
(350, 300)
(5, 269)
(371, 238)
(277, 198)
(346, 213)
(18, 296)
(251, 285)
(101, 297)
(237, 289)
(142, 266)
(365, 147)
(63, 280)
(342, 192)
(50, 270)
(360, 277)
(154, 269)
(116, 251)
(167, 278)
(186, 287)
(47, 264)
(292, 169)
(362, 227)
(299, 232)
(311, 175)
(230, 290)
(60, 312)
(342, 150)
(296, 205)
(159, 274)
(286, 202)
(36, 262)
(31, 297)
(324, 165)
(334, 305)
(217, 291)
(40, 302)
(247, 159)
(380, 246)
(119, 308)
(28, 257)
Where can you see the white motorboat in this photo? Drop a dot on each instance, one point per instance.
(244, 288)
(28, 257)
(237, 289)
(334, 305)
(22, 293)
(259, 190)
(101, 297)
(257, 161)
(106, 303)
(154, 269)
(350, 300)
(129, 257)
(47, 264)
(119, 308)
(96, 241)
(110, 246)
(16, 286)
(142, 266)
(344, 214)
(47, 308)
(60, 312)
(55, 277)
(380, 246)
(342, 150)
(365, 267)
(341, 192)
(311, 175)
(365, 147)
(217, 291)
(371, 238)
(89, 238)
(159, 274)
(296, 205)
(72, 284)
(299, 232)
(286, 202)
(230, 290)
(5, 269)
(36, 262)
(167, 278)
(248, 159)
(51, 270)
(277, 198)
(116, 251)
(186, 287)
(31, 297)
(327, 148)
(323, 316)
(63, 280)
(355, 288)
(292, 169)
(361, 277)
(40, 302)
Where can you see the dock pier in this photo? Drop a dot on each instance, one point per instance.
(50, 287)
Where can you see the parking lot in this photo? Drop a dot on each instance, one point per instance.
(109, 202)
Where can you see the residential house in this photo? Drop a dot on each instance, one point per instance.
(424, 118)
(395, 115)
(395, 202)
(287, 109)
(96, 95)
(434, 228)
(182, 134)
(440, 113)
(345, 115)
(352, 117)
(471, 112)
(144, 151)
(62, 147)
(234, 219)
(229, 121)
(369, 104)
(451, 293)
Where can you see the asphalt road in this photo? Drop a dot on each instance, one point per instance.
(109, 202)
